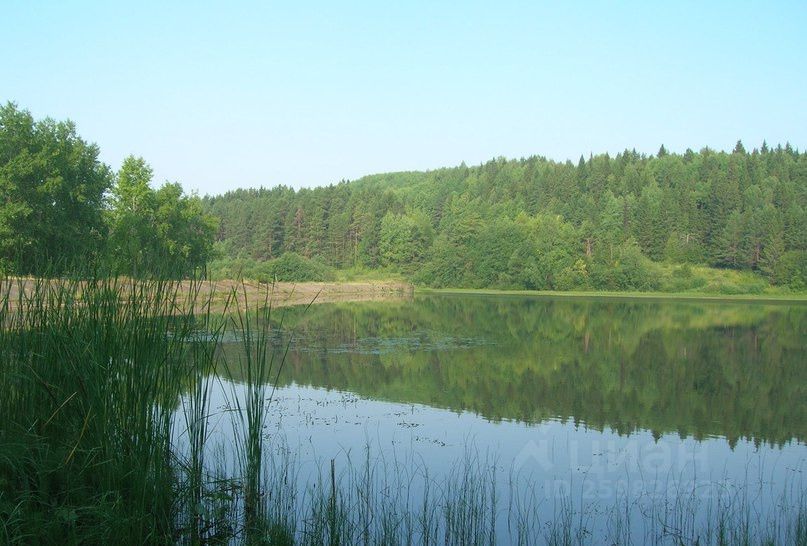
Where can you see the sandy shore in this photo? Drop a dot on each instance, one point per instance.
(285, 294)
(15, 290)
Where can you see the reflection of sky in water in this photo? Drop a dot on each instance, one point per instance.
(677, 366)
(557, 461)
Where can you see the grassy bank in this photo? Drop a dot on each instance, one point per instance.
(662, 279)
(640, 276)
(105, 392)
(784, 297)
(676, 281)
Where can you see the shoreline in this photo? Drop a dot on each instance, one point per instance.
(285, 294)
(13, 290)
(798, 299)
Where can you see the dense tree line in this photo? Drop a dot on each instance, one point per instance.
(605, 222)
(540, 224)
(63, 210)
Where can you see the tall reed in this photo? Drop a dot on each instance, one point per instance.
(90, 376)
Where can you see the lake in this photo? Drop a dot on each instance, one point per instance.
(575, 418)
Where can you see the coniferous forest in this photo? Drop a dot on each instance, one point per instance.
(699, 221)
(629, 222)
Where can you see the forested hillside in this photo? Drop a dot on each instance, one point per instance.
(626, 222)
(706, 221)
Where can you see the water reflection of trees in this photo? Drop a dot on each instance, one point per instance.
(732, 370)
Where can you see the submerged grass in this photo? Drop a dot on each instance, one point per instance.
(106, 390)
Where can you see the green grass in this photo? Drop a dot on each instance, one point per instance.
(105, 393)
(679, 281)
(363, 274)
(668, 279)
(672, 280)
(782, 297)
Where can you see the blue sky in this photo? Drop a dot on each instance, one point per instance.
(220, 95)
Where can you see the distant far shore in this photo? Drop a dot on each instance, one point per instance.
(284, 294)
(798, 298)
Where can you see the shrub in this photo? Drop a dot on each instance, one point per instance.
(791, 270)
(679, 284)
(682, 272)
(291, 267)
(630, 271)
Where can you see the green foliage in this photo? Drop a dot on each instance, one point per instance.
(403, 240)
(791, 270)
(88, 387)
(530, 223)
(162, 232)
(545, 253)
(630, 270)
(52, 187)
(681, 279)
(538, 224)
(56, 215)
(290, 267)
(442, 268)
(739, 283)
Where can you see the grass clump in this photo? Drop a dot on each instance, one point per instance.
(89, 382)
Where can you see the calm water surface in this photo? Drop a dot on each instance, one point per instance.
(569, 401)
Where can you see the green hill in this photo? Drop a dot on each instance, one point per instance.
(699, 221)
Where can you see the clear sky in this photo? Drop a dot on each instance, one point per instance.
(220, 95)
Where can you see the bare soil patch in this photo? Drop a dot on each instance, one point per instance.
(13, 291)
